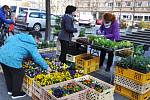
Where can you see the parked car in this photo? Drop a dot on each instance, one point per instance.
(35, 20)
(16, 10)
(85, 20)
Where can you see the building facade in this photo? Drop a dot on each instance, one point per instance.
(118, 7)
(96, 7)
(123, 9)
(57, 6)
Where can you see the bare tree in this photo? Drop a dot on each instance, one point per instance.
(120, 10)
(48, 20)
(113, 4)
(133, 11)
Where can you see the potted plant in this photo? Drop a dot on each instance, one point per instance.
(82, 32)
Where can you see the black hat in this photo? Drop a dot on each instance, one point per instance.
(70, 9)
(5, 7)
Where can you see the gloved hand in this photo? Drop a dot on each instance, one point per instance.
(49, 69)
(98, 32)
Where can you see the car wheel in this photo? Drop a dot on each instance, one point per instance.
(93, 25)
(37, 27)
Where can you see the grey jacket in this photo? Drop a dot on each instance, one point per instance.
(67, 28)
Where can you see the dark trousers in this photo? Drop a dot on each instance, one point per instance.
(110, 58)
(64, 50)
(14, 78)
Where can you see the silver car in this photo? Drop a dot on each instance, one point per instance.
(35, 20)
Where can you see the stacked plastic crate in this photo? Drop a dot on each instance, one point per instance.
(87, 62)
(132, 84)
(27, 85)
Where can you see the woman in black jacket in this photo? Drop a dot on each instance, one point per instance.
(67, 30)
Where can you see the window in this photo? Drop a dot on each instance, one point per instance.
(43, 15)
(146, 18)
(148, 3)
(138, 4)
(128, 3)
(138, 18)
(99, 4)
(118, 4)
(22, 14)
(124, 16)
(34, 15)
(34, 9)
(13, 8)
(110, 4)
(22, 9)
(135, 17)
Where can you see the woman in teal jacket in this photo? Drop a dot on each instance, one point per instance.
(17, 48)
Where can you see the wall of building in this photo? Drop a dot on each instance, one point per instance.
(57, 6)
(114, 6)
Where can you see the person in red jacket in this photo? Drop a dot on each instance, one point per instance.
(3, 12)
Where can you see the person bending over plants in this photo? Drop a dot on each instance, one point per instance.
(110, 30)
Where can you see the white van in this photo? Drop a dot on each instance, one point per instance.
(35, 20)
(16, 10)
(86, 18)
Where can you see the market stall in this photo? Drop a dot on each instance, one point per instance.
(71, 81)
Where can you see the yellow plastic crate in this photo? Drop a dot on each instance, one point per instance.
(88, 70)
(27, 91)
(34, 97)
(71, 58)
(37, 90)
(80, 61)
(130, 94)
(94, 68)
(28, 80)
(136, 76)
(27, 83)
(130, 84)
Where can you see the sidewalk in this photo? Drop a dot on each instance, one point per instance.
(3, 91)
